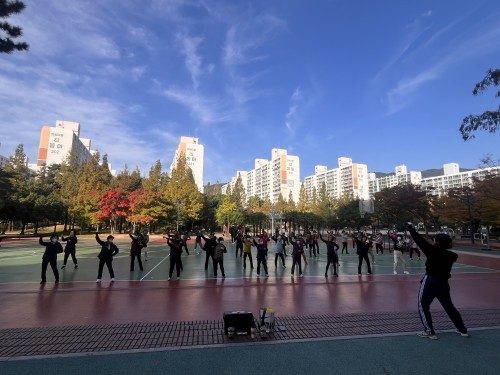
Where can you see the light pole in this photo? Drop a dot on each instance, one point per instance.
(178, 202)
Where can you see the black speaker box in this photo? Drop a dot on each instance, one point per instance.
(241, 321)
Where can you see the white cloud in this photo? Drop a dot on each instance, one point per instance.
(399, 97)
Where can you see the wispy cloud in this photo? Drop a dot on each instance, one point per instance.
(291, 117)
(399, 97)
(411, 33)
(467, 44)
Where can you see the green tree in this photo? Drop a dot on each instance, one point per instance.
(9, 33)
(228, 213)
(488, 120)
(128, 181)
(238, 194)
(69, 181)
(21, 204)
(93, 181)
(182, 194)
(303, 203)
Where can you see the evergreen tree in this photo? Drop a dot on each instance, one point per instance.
(9, 33)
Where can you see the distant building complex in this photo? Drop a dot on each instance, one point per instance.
(270, 178)
(348, 179)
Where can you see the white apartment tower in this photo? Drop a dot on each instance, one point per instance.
(270, 178)
(454, 179)
(57, 142)
(348, 179)
(401, 176)
(193, 151)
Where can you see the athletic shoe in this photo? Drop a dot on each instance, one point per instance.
(406, 273)
(169, 278)
(76, 266)
(336, 274)
(63, 267)
(369, 273)
(113, 280)
(42, 282)
(98, 281)
(463, 334)
(267, 275)
(178, 277)
(395, 272)
(301, 275)
(427, 335)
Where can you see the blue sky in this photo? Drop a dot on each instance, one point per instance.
(383, 82)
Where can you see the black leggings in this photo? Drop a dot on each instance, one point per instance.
(139, 260)
(109, 264)
(380, 247)
(279, 255)
(53, 265)
(177, 264)
(73, 257)
(365, 257)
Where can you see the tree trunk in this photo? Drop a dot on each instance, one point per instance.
(36, 227)
(23, 227)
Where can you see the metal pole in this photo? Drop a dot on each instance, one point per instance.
(178, 202)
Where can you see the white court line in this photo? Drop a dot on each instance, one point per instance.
(152, 269)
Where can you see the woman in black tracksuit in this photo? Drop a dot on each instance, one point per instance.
(108, 251)
(70, 248)
(362, 251)
(435, 282)
(331, 251)
(52, 248)
(175, 244)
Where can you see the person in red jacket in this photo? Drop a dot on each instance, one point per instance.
(435, 282)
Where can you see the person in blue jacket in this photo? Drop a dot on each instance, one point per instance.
(52, 248)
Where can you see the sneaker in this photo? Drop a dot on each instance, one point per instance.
(406, 273)
(301, 275)
(63, 267)
(463, 334)
(42, 282)
(336, 274)
(98, 281)
(169, 278)
(76, 266)
(178, 277)
(267, 275)
(369, 273)
(113, 280)
(427, 335)
(395, 272)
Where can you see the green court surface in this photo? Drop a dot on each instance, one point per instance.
(20, 262)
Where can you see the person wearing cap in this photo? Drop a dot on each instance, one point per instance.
(108, 251)
(297, 252)
(135, 250)
(52, 248)
(70, 248)
(218, 259)
(209, 248)
(399, 247)
(261, 254)
(435, 282)
(175, 244)
(331, 253)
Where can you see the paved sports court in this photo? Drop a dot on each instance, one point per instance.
(144, 311)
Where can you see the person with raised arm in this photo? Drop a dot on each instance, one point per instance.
(435, 282)
(108, 251)
(52, 248)
(331, 253)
